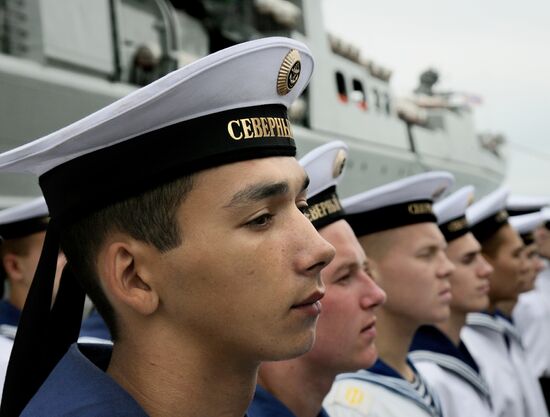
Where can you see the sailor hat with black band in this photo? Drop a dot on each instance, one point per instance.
(325, 168)
(489, 214)
(400, 203)
(526, 224)
(451, 213)
(227, 107)
(24, 219)
(517, 205)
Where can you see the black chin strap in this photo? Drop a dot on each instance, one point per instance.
(44, 334)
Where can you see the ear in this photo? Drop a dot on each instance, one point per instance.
(125, 275)
(12, 266)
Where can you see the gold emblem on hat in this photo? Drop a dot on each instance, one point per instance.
(339, 163)
(289, 72)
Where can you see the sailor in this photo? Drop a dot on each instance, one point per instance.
(531, 314)
(542, 289)
(525, 217)
(437, 351)
(491, 338)
(180, 211)
(397, 229)
(525, 226)
(347, 326)
(22, 228)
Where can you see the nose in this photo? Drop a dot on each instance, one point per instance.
(446, 267)
(373, 295)
(485, 269)
(314, 252)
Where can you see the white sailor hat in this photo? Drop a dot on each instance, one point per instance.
(227, 107)
(523, 204)
(525, 225)
(400, 203)
(487, 215)
(451, 213)
(325, 168)
(24, 219)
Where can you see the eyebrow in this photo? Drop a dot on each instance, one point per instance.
(261, 191)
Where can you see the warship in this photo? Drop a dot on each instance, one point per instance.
(63, 59)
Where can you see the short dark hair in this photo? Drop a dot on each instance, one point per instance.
(149, 217)
(490, 246)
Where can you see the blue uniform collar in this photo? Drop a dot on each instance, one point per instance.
(9, 314)
(432, 339)
(266, 405)
(382, 368)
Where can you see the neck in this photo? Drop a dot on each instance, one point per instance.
(506, 306)
(453, 326)
(189, 379)
(18, 296)
(300, 385)
(394, 337)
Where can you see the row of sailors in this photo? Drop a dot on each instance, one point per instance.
(421, 314)
(477, 313)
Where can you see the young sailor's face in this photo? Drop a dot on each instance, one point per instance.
(509, 265)
(23, 263)
(470, 279)
(542, 237)
(534, 263)
(346, 330)
(246, 279)
(414, 273)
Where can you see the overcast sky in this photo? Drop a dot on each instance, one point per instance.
(497, 49)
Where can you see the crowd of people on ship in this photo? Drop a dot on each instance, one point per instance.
(183, 262)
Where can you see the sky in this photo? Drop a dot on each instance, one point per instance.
(498, 50)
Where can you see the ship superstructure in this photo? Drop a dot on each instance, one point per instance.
(63, 59)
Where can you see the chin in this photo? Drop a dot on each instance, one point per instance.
(441, 317)
(293, 349)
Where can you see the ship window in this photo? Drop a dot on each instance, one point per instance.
(341, 85)
(359, 94)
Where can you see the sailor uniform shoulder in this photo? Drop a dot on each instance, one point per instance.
(514, 390)
(457, 397)
(366, 394)
(77, 387)
(532, 315)
(451, 372)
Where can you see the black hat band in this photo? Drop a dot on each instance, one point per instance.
(455, 228)
(488, 227)
(24, 228)
(120, 171)
(324, 208)
(391, 217)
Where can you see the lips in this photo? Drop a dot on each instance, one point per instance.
(311, 299)
(369, 326)
(484, 289)
(445, 294)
